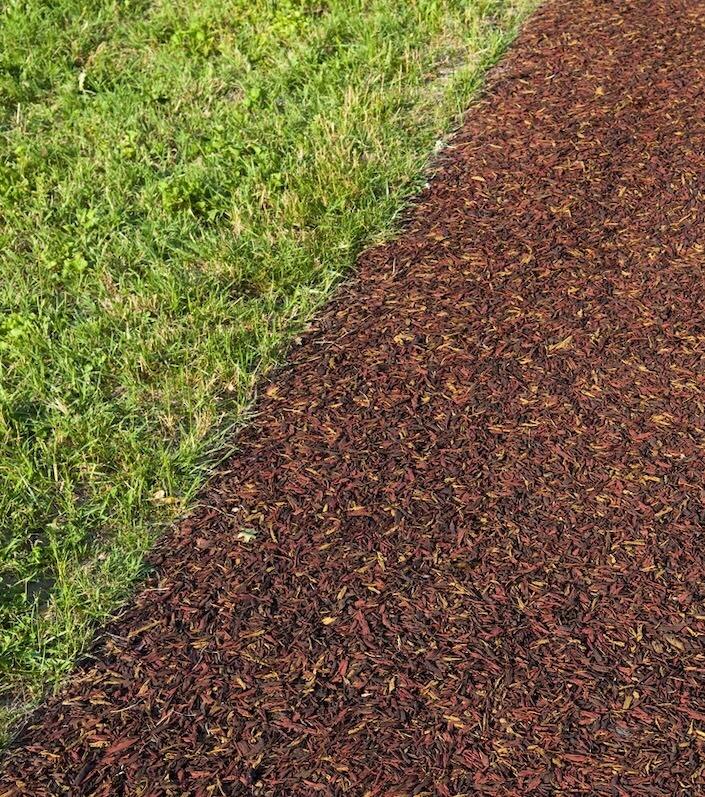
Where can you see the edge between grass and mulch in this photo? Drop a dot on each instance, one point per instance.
(181, 188)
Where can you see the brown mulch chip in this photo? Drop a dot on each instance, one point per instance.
(460, 550)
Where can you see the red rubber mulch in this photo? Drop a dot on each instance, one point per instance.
(478, 491)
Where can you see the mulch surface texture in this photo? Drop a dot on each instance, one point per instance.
(461, 549)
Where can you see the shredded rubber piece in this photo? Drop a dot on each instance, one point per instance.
(460, 550)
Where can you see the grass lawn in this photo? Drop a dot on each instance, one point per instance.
(181, 184)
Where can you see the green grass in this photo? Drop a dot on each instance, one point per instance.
(181, 184)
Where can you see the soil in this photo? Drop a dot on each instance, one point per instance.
(460, 550)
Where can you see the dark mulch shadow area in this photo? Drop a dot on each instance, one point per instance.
(478, 492)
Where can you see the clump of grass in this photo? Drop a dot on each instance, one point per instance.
(181, 184)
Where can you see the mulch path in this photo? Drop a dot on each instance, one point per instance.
(461, 549)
